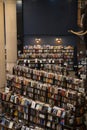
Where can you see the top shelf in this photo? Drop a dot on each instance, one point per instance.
(47, 47)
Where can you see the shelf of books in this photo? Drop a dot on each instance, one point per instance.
(58, 101)
(42, 96)
(82, 66)
(60, 55)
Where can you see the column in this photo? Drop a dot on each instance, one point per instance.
(2, 48)
(79, 14)
(11, 33)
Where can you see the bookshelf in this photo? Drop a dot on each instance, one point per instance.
(37, 112)
(82, 65)
(41, 114)
(68, 93)
(45, 99)
(48, 77)
(43, 92)
(61, 55)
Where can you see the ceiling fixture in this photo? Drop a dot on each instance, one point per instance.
(58, 40)
(37, 40)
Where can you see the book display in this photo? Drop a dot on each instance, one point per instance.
(55, 69)
(82, 67)
(31, 112)
(50, 68)
(61, 91)
(40, 95)
(82, 70)
(42, 91)
(6, 123)
(60, 55)
(47, 77)
(40, 114)
(15, 108)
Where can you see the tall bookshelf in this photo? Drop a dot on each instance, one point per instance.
(59, 55)
(69, 96)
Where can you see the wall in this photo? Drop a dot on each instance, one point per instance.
(19, 25)
(66, 14)
(49, 17)
(51, 40)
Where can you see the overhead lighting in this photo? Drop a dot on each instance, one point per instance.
(58, 40)
(37, 40)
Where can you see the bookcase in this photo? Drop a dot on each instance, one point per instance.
(48, 77)
(15, 110)
(41, 114)
(65, 92)
(82, 70)
(37, 90)
(45, 99)
(38, 113)
(82, 67)
(55, 69)
(8, 122)
(61, 55)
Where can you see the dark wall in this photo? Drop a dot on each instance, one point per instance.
(46, 19)
(49, 17)
(20, 33)
(51, 40)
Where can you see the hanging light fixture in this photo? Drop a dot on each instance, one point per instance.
(58, 40)
(38, 40)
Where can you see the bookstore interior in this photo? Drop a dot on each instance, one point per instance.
(43, 64)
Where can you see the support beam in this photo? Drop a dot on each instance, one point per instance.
(11, 33)
(2, 48)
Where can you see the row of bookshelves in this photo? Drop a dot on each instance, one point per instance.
(46, 77)
(50, 68)
(54, 68)
(82, 68)
(44, 98)
(45, 92)
(8, 123)
(47, 54)
(52, 88)
(39, 113)
(31, 111)
(44, 56)
(40, 62)
(46, 47)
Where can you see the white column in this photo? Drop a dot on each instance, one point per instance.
(11, 33)
(2, 48)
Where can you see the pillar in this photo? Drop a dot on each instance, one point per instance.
(2, 48)
(79, 14)
(11, 33)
